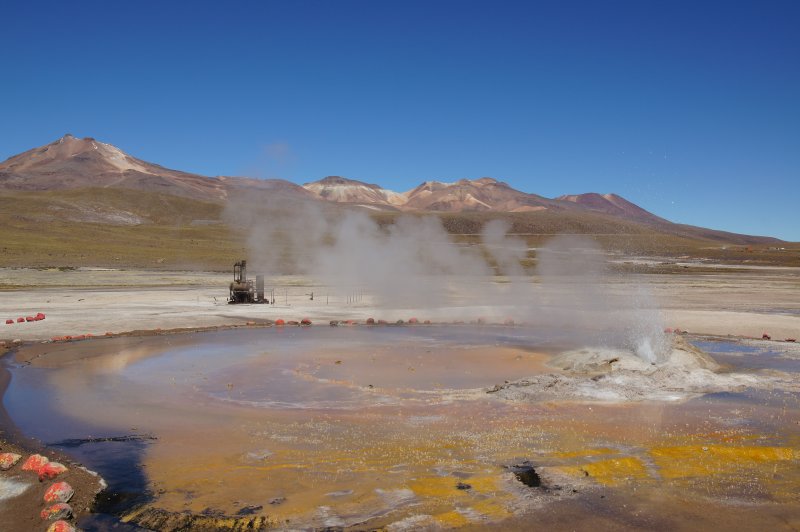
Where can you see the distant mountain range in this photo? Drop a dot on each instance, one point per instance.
(72, 163)
(484, 194)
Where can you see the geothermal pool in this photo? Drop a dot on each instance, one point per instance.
(393, 426)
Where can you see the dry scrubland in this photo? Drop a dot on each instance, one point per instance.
(113, 228)
(118, 228)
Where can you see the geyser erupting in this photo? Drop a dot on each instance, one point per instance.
(582, 298)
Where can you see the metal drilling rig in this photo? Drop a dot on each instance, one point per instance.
(242, 290)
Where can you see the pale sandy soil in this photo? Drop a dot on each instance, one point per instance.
(78, 302)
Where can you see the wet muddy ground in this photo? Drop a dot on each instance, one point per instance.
(392, 426)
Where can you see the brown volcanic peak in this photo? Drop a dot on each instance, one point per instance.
(484, 194)
(612, 204)
(71, 162)
(339, 180)
(279, 187)
(343, 190)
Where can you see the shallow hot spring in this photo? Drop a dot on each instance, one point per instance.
(392, 426)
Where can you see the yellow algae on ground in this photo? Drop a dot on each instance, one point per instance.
(452, 519)
(443, 488)
(484, 484)
(700, 461)
(491, 509)
(611, 472)
(484, 497)
(585, 453)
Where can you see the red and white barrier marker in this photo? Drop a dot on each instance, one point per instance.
(59, 492)
(51, 470)
(8, 460)
(60, 510)
(61, 526)
(35, 462)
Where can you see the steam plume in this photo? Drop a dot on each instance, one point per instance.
(413, 263)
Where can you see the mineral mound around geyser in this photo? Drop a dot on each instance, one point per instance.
(618, 375)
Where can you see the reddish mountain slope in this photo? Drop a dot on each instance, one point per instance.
(484, 194)
(343, 190)
(71, 163)
(612, 204)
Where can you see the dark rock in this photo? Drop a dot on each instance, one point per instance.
(250, 510)
(526, 474)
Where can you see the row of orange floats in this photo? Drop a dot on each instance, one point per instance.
(764, 336)
(280, 322)
(372, 321)
(23, 319)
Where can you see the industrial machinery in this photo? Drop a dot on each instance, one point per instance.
(242, 289)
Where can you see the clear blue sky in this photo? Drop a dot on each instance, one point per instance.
(689, 109)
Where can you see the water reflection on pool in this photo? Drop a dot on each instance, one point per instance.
(338, 426)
